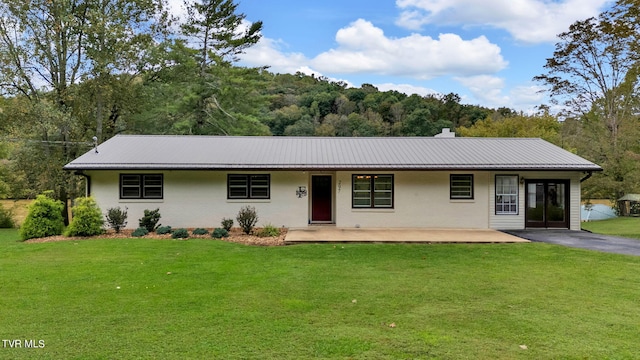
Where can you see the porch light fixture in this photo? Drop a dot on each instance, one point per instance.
(302, 191)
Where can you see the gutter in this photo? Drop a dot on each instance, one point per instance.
(88, 189)
(589, 174)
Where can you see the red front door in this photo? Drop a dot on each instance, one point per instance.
(321, 197)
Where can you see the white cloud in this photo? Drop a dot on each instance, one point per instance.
(489, 91)
(530, 21)
(268, 52)
(407, 89)
(486, 88)
(363, 48)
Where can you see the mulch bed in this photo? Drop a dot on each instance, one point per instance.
(235, 235)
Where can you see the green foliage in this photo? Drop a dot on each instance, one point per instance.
(116, 218)
(162, 230)
(247, 218)
(150, 220)
(219, 26)
(219, 233)
(542, 126)
(200, 231)
(139, 232)
(87, 218)
(269, 231)
(180, 234)
(6, 218)
(44, 218)
(227, 224)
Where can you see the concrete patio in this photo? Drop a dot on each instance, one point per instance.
(317, 234)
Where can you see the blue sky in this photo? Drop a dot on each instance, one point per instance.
(487, 51)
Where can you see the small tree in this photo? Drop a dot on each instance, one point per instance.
(247, 218)
(6, 218)
(44, 218)
(150, 220)
(87, 218)
(117, 218)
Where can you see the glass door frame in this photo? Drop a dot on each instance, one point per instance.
(546, 222)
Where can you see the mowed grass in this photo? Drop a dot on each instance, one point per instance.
(195, 299)
(620, 226)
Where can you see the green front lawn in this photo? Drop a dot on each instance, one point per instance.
(621, 226)
(176, 299)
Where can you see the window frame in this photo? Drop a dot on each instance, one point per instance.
(251, 186)
(142, 186)
(517, 195)
(471, 186)
(372, 191)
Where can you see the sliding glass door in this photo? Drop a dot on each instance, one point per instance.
(547, 203)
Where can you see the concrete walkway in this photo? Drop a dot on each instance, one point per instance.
(581, 239)
(317, 234)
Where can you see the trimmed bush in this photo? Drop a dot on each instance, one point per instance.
(247, 218)
(180, 234)
(150, 220)
(200, 231)
(139, 232)
(87, 218)
(269, 231)
(116, 218)
(6, 218)
(227, 224)
(163, 230)
(44, 218)
(219, 233)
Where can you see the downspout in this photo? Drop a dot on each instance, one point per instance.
(589, 174)
(88, 188)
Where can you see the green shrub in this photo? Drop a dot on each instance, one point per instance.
(200, 231)
(219, 233)
(139, 232)
(44, 218)
(6, 218)
(247, 218)
(180, 234)
(116, 218)
(227, 224)
(269, 230)
(163, 230)
(150, 220)
(87, 218)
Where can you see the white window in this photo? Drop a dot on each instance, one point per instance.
(461, 187)
(506, 194)
(141, 186)
(242, 186)
(372, 191)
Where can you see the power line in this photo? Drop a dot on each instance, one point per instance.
(53, 142)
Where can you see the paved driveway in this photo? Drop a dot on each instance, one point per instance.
(581, 239)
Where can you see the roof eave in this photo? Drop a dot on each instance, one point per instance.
(281, 167)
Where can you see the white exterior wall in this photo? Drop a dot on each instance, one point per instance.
(511, 222)
(199, 198)
(421, 199)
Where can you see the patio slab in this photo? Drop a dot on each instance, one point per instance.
(316, 234)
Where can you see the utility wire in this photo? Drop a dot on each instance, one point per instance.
(54, 142)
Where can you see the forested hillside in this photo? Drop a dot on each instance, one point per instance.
(73, 70)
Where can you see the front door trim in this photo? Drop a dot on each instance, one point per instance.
(321, 199)
(548, 201)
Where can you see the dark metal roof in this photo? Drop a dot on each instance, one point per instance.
(156, 152)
